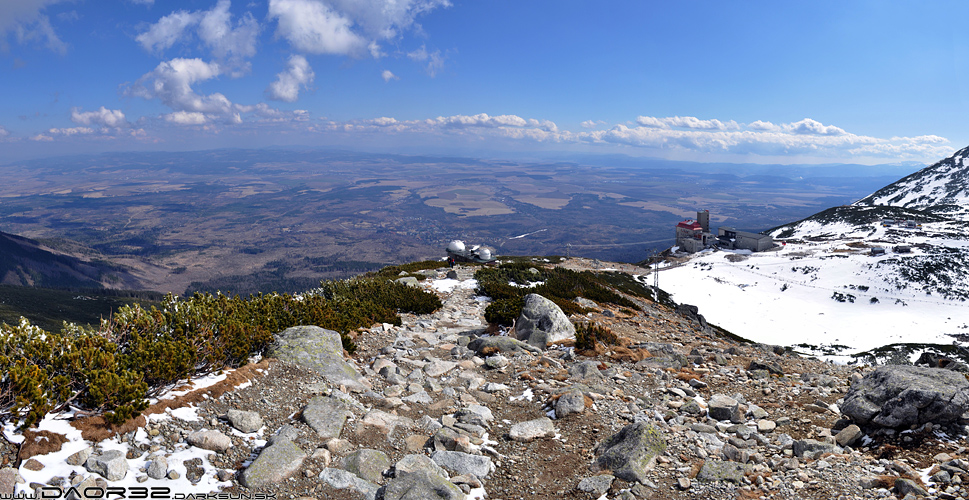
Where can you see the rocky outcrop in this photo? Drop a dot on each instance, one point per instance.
(899, 397)
(542, 322)
(320, 350)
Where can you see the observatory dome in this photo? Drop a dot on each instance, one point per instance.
(456, 246)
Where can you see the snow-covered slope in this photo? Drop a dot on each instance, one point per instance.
(944, 184)
(825, 286)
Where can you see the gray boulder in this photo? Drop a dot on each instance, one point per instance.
(245, 421)
(531, 430)
(275, 463)
(463, 463)
(326, 416)
(342, 480)
(110, 464)
(715, 470)
(632, 452)
(320, 350)
(597, 485)
(421, 485)
(569, 403)
(158, 468)
(367, 464)
(542, 322)
(209, 440)
(813, 449)
(898, 396)
(9, 479)
(415, 463)
(725, 408)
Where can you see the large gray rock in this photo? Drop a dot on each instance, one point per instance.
(367, 464)
(342, 480)
(421, 485)
(570, 403)
(898, 396)
(715, 470)
(245, 421)
(463, 463)
(111, 465)
(320, 350)
(158, 468)
(415, 463)
(326, 416)
(542, 322)
(813, 449)
(531, 430)
(209, 440)
(631, 452)
(275, 463)
(725, 408)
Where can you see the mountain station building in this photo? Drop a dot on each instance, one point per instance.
(694, 235)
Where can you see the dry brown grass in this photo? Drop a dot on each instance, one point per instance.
(97, 429)
(39, 443)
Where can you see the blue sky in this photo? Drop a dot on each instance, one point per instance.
(791, 82)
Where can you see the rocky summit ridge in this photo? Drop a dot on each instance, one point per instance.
(444, 407)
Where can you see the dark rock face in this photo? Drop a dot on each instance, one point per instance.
(691, 312)
(903, 396)
(542, 322)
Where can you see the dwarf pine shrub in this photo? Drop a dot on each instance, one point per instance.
(140, 351)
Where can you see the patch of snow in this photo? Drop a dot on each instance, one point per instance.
(448, 285)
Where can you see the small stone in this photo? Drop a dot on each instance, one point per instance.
(533, 429)
(765, 426)
(33, 465)
(210, 440)
(683, 483)
(173, 475)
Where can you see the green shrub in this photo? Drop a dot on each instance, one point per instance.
(140, 351)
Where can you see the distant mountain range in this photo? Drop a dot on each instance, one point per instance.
(891, 268)
(27, 262)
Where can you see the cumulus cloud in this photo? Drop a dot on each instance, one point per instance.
(351, 27)
(41, 138)
(812, 127)
(297, 74)
(4, 132)
(592, 123)
(103, 116)
(689, 122)
(26, 20)
(186, 118)
(313, 27)
(229, 42)
(388, 75)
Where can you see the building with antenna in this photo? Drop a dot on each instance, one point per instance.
(695, 235)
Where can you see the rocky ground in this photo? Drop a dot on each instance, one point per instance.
(433, 411)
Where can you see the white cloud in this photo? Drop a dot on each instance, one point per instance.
(103, 116)
(386, 19)
(167, 31)
(4, 132)
(312, 26)
(41, 138)
(186, 118)
(592, 123)
(388, 75)
(229, 43)
(808, 138)
(434, 60)
(28, 23)
(812, 127)
(297, 74)
(71, 131)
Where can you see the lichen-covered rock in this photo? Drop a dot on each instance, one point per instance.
(326, 416)
(631, 452)
(9, 479)
(715, 470)
(899, 396)
(542, 322)
(342, 480)
(320, 350)
(421, 485)
(275, 463)
(367, 464)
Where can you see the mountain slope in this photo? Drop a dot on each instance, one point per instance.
(890, 268)
(27, 262)
(940, 186)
